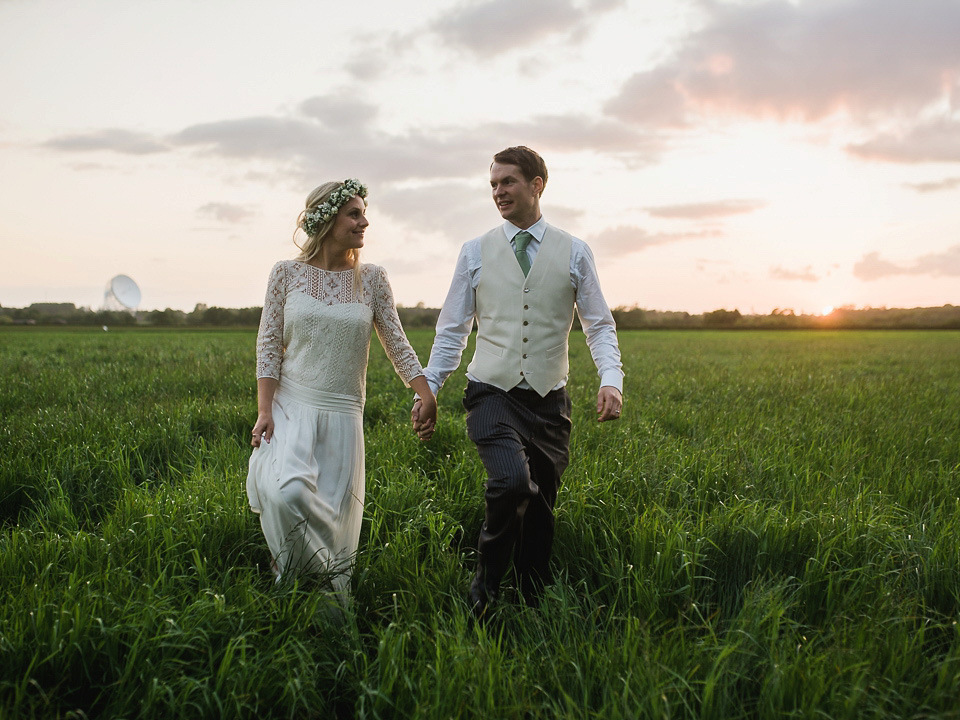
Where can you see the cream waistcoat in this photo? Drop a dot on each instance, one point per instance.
(523, 322)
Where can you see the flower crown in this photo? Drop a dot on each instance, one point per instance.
(326, 211)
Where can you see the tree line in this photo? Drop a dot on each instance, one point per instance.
(843, 318)
(627, 318)
(69, 314)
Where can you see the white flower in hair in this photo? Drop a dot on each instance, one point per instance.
(314, 220)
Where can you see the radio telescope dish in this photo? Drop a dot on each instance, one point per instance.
(121, 293)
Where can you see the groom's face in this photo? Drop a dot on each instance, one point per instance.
(517, 198)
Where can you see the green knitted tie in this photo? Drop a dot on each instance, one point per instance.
(522, 239)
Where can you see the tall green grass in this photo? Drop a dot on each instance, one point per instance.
(770, 530)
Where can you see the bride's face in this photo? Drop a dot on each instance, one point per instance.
(349, 226)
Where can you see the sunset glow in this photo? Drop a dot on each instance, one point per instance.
(756, 154)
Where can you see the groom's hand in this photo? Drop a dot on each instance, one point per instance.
(609, 403)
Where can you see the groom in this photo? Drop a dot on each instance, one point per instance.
(521, 282)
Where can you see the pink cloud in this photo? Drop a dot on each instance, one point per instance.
(807, 61)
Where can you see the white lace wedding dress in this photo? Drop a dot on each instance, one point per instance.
(307, 484)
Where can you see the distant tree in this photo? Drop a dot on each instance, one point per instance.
(721, 318)
(166, 318)
(418, 316)
(51, 309)
(216, 316)
(112, 317)
(629, 318)
(249, 316)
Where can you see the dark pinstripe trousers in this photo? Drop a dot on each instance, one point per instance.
(524, 444)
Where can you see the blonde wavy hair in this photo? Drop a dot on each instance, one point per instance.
(314, 243)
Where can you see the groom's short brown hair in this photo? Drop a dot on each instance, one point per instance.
(529, 162)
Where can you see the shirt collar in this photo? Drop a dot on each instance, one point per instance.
(537, 229)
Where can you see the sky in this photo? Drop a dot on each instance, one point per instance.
(752, 155)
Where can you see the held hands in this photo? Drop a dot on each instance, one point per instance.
(609, 404)
(263, 428)
(424, 416)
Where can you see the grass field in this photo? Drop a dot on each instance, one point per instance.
(772, 529)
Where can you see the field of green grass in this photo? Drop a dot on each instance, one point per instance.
(771, 530)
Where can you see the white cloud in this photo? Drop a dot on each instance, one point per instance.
(496, 26)
(109, 139)
(706, 210)
(257, 137)
(332, 137)
(806, 274)
(943, 264)
(936, 186)
(339, 111)
(932, 141)
(456, 210)
(225, 212)
(627, 239)
(654, 98)
(311, 150)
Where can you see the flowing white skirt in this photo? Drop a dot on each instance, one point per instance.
(307, 483)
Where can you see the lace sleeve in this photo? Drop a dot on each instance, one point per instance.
(390, 331)
(270, 336)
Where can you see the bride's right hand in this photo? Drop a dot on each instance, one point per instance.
(262, 429)
(424, 416)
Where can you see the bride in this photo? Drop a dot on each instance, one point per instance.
(306, 473)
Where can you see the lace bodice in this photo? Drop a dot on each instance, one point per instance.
(315, 332)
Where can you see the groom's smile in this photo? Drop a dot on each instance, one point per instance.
(517, 199)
